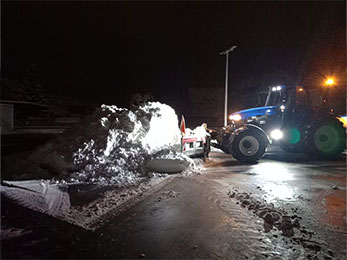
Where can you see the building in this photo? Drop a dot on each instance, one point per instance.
(205, 105)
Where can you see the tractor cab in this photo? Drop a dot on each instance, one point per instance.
(283, 106)
(291, 102)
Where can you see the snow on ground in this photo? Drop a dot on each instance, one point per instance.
(38, 195)
(56, 200)
(126, 151)
(199, 132)
(289, 224)
(169, 161)
(12, 232)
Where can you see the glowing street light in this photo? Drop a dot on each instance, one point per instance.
(329, 82)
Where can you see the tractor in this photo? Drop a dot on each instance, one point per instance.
(296, 118)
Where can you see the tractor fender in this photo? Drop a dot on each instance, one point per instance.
(246, 127)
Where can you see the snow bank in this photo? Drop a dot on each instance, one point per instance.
(38, 195)
(163, 129)
(57, 200)
(169, 161)
(112, 145)
(198, 132)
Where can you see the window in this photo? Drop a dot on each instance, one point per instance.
(301, 96)
(274, 99)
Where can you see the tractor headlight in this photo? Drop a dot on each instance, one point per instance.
(276, 134)
(235, 117)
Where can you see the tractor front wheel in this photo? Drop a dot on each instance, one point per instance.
(248, 146)
(326, 140)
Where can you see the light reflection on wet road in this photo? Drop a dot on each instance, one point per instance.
(203, 222)
(195, 216)
(316, 188)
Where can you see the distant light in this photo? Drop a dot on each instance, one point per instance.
(278, 88)
(301, 89)
(330, 82)
(268, 111)
(235, 117)
(276, 134)
(282, 107)
(274, 88)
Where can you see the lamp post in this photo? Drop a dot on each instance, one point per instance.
(226, 53)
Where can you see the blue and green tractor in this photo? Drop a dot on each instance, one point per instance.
(298, 119)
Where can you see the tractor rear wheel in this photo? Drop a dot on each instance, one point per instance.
(248, 146)
(326, 139)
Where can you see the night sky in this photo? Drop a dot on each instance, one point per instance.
(105, 52)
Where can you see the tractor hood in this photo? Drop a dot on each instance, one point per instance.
(258, 111)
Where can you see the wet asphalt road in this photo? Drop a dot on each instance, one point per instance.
(194, 216)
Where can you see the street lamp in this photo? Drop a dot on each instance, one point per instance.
(226, 53)
(329, 82)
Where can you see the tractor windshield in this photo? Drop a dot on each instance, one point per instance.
(274, 98)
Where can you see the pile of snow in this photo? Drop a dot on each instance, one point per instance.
(169, 161)
(112, 145)
(163, 128)
(199, 132)
(115, 146)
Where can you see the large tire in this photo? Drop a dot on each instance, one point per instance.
(248, 146)
(326, 139)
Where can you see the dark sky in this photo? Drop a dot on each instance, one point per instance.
(105, 52)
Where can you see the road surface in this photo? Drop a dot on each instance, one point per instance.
(285, 207)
